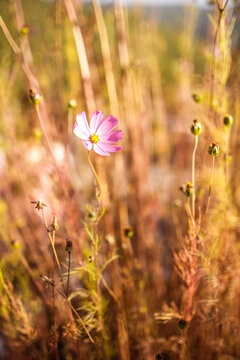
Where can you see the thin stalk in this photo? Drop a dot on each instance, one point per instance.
(53, 303)
(210, 185)
(99, 192)
(52, 240)
(193, 177)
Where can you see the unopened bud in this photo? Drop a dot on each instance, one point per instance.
(72, 104)
(128, 232)
(182, 324)
(24, 30)
(198, 98)
(228, 120)
(161, 356)
(55, 225)
(214, 149)
(196, 127)
(187, 190)
(15, 244)
(37, 133)
(34, 97)
(69, 246)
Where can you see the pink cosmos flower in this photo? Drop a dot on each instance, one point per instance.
(99, 135)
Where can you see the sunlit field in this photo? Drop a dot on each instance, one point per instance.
(120, 195)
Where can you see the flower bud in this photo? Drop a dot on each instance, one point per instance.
(24, 30)
(182, 324)
(128, 232)
(69, 246)
(196, 127)
(198, 98)
(72, 104)
(15, 244)
(214, 149)
(228, 120)
(34, 97)
(37, 133)
(161, 356)
(187, 190)
(54, 224)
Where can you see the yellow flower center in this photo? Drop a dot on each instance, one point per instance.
(94, 138)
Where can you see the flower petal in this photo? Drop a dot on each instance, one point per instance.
(108, 148)
(107, 125)
(88, 145)
(112, 137)
(83, 124)
(98, 149)
(79, 133)
(95, 121)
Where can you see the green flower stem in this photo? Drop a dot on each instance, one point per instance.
(99, 192)
(193, 177)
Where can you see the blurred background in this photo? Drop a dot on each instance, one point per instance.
(156, 66)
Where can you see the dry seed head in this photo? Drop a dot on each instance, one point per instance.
(39, 204)
(196, 127)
